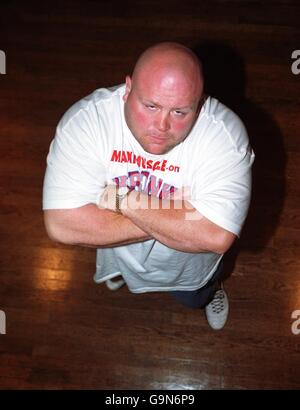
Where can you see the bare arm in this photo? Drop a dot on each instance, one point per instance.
(91, 226)
(184, 229)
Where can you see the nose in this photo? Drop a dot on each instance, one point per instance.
(163, 122)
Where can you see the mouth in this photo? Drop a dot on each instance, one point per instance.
(157, 140)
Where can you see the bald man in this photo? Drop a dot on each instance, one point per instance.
(157, 176)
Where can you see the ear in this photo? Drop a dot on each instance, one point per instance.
(127, 88)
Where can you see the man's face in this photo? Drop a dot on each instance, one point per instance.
(160, 113)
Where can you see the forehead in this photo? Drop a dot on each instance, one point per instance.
(167, 91)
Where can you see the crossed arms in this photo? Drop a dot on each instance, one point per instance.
(98, 227)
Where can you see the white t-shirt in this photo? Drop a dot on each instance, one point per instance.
(94, 147)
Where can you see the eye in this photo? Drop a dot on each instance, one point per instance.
(180, 113)
(150, 107)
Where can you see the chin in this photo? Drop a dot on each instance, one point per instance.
(157, 150)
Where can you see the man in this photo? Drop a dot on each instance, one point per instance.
(157, 176)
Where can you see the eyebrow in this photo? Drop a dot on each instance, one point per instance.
(175, 108)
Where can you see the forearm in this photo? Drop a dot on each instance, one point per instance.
(176, 228)
(93, 227)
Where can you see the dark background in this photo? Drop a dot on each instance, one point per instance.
(64, 331)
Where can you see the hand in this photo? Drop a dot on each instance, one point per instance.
(183, 193)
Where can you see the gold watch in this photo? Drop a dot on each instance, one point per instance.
(121, 193)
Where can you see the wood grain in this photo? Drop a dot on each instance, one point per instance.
(64, 331)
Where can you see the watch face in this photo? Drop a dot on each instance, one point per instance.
(123, 190)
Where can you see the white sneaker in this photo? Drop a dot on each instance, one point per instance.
(115, 284)
(217, 310)
(111, 284)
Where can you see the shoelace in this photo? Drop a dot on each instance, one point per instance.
(217, 304)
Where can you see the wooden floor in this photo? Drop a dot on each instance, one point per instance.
(64, 331)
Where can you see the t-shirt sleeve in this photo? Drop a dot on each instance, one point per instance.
(75, 174)
(221, 189)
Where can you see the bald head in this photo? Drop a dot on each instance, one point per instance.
(169, 64)
(163, 96)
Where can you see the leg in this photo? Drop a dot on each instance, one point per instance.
(201, 297)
